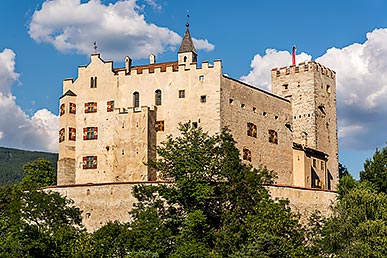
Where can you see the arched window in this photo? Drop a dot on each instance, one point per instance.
(158, 97)
(185, 59)
(136, 99)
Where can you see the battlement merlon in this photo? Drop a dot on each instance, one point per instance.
(168, 67)
(303, 67)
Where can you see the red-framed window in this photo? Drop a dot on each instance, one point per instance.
(90, 162)
(72, 108)
(110, 106)
(61, 135)
(90, 133)
(91, 107)
(72, 134)
(62, 109)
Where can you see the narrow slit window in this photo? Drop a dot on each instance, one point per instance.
(73, 108)
(72, 134)
(136, 99)
(110, 106)
(61, 135)
(93, 82)
(181, 94)
(158, 97)
(62, 109)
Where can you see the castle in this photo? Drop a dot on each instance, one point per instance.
(112, 119)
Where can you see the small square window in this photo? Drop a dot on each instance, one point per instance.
(110, 106)
(160, 126)
(203, 98)
(90, 162)
(181, 94)
(90, 133)
(231, 101)
(251, 130)
(201, 78)
(194, 124)
(273, 137)
(243, 105)
(246, 154)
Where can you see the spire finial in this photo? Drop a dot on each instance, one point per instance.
(187, 23)
(95, 47)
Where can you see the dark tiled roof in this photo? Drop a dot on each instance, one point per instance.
(187, 44)
(68, 93)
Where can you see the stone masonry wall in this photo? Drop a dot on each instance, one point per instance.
(242, 104)
(101, 203)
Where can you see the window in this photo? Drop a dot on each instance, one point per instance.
(93, 82)
(243, 105)
(62, 109)
(72, 133)
(246, 154)
(201, 78)
(73, 108)
(251, 130)
(61, 135)
(110, 106)
(136, 99)
(91, 107)
(203, 98)
(90, 162)
(322, 165)
(230, 101)
(159, 126)
(158, 97)
(328, 89)
(90, 133)
(194, 124)
(254, 109)
(273, 137)
(314, 163)
(181, 94)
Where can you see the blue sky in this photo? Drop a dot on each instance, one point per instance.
(43, 42)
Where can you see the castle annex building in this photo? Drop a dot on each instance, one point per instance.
(112, 119)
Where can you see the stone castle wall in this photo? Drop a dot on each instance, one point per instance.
(101, 203)
(242, 104)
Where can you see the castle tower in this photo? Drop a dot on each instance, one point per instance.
(187, 52)
(311, 89)
(67, 136)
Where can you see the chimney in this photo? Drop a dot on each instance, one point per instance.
(128, 64)
(152, 59)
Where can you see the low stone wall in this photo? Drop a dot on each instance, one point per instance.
(101, 203)
(305, 200)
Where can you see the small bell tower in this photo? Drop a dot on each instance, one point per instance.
(187, 52)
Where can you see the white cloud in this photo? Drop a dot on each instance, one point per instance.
(119, 29)
(361, 87)
(361, 90)
(262, 65)
(17, 129)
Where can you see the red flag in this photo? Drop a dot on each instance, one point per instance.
(294, 55)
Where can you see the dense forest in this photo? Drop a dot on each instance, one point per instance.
(217, 207)
(12, 161)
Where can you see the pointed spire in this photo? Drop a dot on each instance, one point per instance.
(187, 44)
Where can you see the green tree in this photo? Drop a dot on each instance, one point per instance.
(38, 223)
(215, 206)
(358, 226)
(38, 173)
(375, 170)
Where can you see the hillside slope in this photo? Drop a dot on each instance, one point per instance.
(12, 161)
